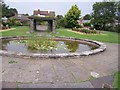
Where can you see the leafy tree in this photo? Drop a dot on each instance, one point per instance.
(118, 17)
(72, 16)
(6, 11)
(87, 17)
(60, 21)
(118, 10)
(12, 12)
(104, 14)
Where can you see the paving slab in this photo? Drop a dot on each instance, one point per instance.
(57, 85)
(62, 73)
(9, 85)
(98, 83)
(72, 71)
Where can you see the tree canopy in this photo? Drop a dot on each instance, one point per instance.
(104, 14)
(6, 11)
(87, 17)
(60, 21)
(72, 16)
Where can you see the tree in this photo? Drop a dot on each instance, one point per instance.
(6, 11)
(118, 10)
(60, 21)
(87, 17)
(72, 16)
(104, 14)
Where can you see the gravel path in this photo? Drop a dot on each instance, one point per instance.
(61, 72)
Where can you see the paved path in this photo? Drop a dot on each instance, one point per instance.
(61, 72)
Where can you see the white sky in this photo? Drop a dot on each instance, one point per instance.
(53, 0)
(59, 6)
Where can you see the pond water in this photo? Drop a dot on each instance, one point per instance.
(62, 47)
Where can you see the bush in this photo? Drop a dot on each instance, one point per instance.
(87, 24)
(117, 29)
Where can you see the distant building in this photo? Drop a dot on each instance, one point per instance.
(81, 21)
(43, 13)
(20, 17)
(4, 19)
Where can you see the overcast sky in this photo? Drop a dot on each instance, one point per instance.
(59, 6)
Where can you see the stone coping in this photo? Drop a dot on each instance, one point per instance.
(101, 48)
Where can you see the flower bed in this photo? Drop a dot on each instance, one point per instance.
(85, 30)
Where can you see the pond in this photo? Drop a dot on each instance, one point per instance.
(62, 46)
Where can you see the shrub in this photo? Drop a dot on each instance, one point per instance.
(87, 24)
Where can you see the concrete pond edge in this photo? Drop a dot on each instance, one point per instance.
(101, 48)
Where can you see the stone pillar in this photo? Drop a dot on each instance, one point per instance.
(50, 25)
(32, 25)
(54, 26)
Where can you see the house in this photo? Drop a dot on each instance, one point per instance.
(4, 19)
(81, 21)
(43, 13)
(20, 17)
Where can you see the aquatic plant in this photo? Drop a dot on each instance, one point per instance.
(42, 43)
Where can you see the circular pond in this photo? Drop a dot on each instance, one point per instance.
(57, 47)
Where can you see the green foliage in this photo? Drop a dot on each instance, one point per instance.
(60, 21)
(13, 22)
(18, 31)
(6, 11)
(72, 16)
(12, 62)
(116, 82)
(84, 30)
(87, 24)
(104, 14)
(104, 37)
(87, 17)
(39, 43)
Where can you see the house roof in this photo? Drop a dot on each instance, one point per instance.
(36, 12)
(46, 13)
(20, 17)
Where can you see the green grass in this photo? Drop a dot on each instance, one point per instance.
(12, 62)
(116, 82)
(18, 31)
(110, 37)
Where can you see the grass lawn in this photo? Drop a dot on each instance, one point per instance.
(18, 31)
(110, 37)
(116, 83)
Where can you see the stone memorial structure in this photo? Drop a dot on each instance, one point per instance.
(43, 16)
